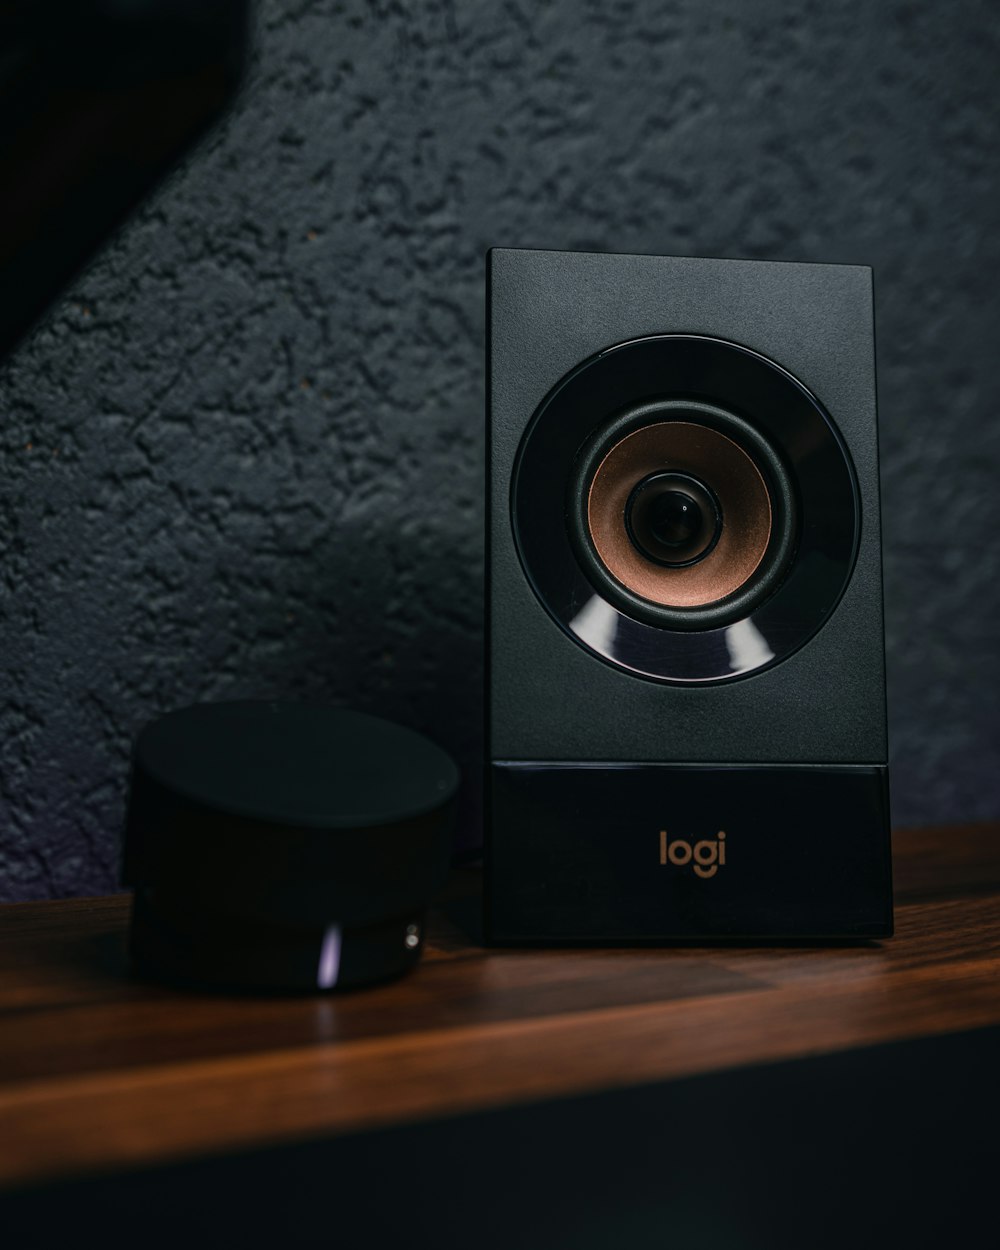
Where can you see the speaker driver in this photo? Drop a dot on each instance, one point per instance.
(730, 488)
(709, 503)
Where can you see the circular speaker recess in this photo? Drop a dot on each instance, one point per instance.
(685, 509)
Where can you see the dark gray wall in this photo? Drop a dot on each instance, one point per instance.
(244, 456)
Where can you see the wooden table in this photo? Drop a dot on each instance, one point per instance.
(104, 1076)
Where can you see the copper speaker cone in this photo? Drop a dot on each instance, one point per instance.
(703, 453)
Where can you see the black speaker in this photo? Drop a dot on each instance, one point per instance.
(686, 729)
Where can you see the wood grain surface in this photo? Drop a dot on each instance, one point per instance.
(100, 1071)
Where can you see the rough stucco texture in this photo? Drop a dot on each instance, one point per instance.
(244, 455)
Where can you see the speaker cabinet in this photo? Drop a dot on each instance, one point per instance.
(686, 732)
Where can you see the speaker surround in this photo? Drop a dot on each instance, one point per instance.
(685, 611)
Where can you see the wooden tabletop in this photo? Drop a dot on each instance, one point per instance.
(100, 1071)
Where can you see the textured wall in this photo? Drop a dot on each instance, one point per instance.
(244, 456)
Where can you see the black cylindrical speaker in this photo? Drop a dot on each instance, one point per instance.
(284, 847)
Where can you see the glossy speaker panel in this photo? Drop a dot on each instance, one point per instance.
(657, 852)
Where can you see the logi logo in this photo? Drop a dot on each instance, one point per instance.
(705, 857)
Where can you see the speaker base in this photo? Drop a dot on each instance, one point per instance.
(604, 853)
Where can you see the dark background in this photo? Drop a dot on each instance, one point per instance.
(244, 456)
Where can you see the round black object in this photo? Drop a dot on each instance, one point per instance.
(673, 519)
(280, 846)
